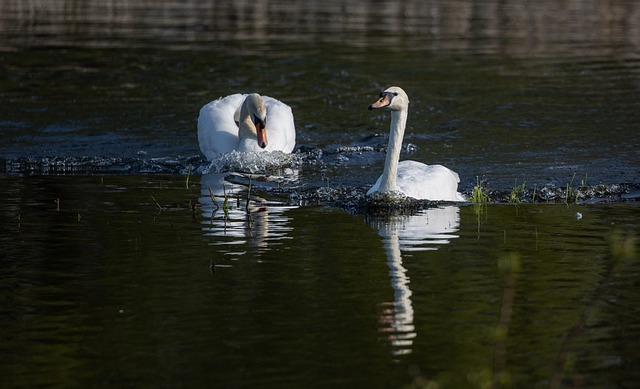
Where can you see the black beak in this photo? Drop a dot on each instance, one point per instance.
(259, 122)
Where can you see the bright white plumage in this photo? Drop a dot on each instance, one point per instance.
(413, 179)
(245, 122)
(426, 182)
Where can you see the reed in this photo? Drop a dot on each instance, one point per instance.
(186, 180)
(155, 201)
(571, 194)
(225, 202)
(516, 192)
(478, 195)
(213, 199)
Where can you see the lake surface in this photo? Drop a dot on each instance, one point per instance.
(117, 268)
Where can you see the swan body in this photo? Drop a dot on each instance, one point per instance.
(246, 123)
(411, 178)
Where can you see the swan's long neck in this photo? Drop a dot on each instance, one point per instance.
(398, 124)
(246, 130)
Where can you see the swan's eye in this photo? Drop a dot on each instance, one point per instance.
(259, 122)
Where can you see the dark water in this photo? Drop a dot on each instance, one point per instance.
(541, 94)
(117, 269)
(136, 281)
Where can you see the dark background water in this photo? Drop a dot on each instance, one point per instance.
(135, 281)
(113, 276)
(543, 93)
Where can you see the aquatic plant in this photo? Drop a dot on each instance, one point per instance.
(155, 201)
(570, 193)
(248, 197)
(478, 195)
(186, 183)
(516, 192)
(353, 198)
(213, 199)
(225, 202)
(584, 181)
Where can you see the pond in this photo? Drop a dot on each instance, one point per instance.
(120, 268)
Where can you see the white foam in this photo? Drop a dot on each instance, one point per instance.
(249, 162)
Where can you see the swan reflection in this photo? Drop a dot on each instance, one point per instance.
(422, 232)
(238, 223)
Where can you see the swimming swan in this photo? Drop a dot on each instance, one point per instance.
(413, 179)
(240, 122)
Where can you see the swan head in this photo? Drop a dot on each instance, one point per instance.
(393, 98)
(255, 108)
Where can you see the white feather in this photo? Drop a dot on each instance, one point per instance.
(218, 127)
(413, 179)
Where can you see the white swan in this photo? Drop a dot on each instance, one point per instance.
(240, 122)
(413, 179)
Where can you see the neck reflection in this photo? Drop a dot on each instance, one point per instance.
(422, 232)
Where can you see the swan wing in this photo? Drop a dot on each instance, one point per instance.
(281, 130)
(217, 128)
(428, 182)
(425, 182)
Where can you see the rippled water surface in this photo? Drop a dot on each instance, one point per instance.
(127, 259)
(141, 281)
(540, 93)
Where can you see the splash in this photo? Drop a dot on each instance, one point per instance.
(273, 163)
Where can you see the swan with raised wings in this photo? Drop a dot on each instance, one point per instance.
(411, 178)
(242, 121)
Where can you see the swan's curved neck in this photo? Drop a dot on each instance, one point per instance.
(398, 124)
(245, 128)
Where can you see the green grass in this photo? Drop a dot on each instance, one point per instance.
(478, 195)
(571, 194)
(516, 192)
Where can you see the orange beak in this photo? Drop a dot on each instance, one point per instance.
(261, 130)
(382, 102)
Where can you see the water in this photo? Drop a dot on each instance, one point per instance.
(136, 281)
(539, 94)
(118, 269)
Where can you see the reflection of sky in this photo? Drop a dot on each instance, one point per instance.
(425, 231)
(257, 226)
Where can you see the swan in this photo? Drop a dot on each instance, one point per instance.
(240, 122)
(411, 178)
